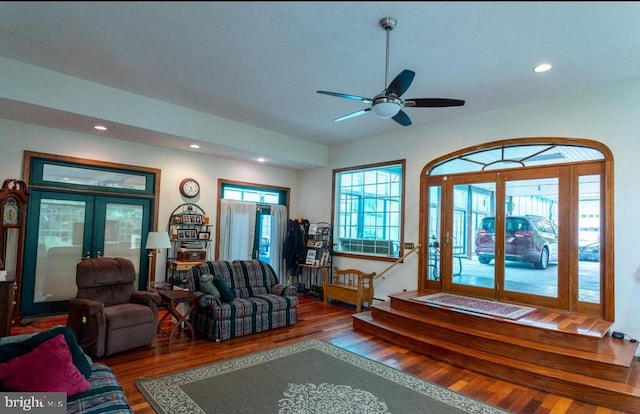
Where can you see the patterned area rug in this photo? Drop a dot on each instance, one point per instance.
(309, 377)
(486, 307)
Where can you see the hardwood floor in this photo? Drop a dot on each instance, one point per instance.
(332, 323)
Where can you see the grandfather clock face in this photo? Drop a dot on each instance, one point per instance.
(10, 212)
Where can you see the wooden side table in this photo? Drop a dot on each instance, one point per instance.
(172, 299)
(178, 268)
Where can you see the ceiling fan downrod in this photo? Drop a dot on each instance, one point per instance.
(387, 23)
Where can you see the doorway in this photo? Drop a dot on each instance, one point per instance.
(519, 226)
(251, 222)
(78, 211)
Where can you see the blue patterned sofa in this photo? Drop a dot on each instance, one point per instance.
(105, 396)
(52, 361)
(261, 302)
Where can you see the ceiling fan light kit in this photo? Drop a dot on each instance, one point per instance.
(388, 103)
(384, 107)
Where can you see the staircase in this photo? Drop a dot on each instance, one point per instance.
(565, 354)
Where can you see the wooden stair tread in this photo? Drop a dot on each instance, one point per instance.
(541, 326)
(629, 388)
(621, 354)
(552, 319)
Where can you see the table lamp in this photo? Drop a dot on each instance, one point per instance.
(156, 240)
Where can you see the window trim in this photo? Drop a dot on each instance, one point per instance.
(402, 164)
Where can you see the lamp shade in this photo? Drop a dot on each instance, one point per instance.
(158, 240)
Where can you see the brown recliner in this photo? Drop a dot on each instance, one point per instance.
(108, 314)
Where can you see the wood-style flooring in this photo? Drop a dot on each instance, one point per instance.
(332, 323)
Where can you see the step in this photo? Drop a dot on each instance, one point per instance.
(528, 327)
(613, 394)
(613, 362)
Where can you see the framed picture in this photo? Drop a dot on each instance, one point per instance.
(324, 260)
(182, 234)
(204, 235)
(311, 257)
(192, 234)
(197, 219)
(187, 219)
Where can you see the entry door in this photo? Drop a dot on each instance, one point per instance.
(72, 227)
(500, 236)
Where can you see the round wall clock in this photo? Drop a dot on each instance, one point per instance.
(189, 188)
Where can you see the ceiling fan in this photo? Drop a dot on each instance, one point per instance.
(388, 103)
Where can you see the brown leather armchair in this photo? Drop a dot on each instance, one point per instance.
(108, 314)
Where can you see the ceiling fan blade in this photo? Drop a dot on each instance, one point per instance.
(401, 83)
(347, 96)
(432, 102)
(402, 118)
(353, 114)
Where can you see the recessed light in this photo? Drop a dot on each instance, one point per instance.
(195, 146)
(544, 67)
(261, 159)
(100, 127)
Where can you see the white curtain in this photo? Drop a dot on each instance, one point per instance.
(237, 229)
(278, 232)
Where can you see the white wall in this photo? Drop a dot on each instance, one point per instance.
(16, 137)
(609, 115)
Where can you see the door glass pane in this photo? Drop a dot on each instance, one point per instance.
(589, 239)
(123, 231)
(93, 177)
(531, 237)
(478, 236)
(263, 236)
(60, 236)
(433, 230)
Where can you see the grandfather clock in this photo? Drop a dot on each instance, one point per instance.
(13, 202)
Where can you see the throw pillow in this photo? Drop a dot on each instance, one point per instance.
(208, 287)
(226, 293)
(46, 368)
(11, 350)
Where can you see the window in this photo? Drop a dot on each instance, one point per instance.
(368, 211)
(253, 194)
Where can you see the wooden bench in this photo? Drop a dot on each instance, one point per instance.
(349, 285)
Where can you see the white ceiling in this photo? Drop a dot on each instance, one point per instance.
(261, 63)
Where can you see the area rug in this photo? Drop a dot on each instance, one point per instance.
(483, 306)
(308, 377)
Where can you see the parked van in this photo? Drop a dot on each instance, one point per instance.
(532, 239)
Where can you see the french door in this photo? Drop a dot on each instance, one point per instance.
(495, 235)
(72, 227)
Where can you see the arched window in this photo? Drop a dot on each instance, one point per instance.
(526, 220)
